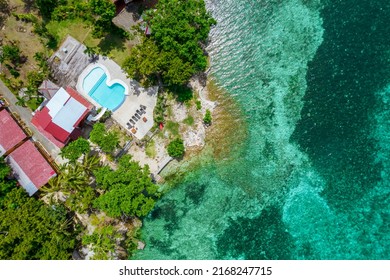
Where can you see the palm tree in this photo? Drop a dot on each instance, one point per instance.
(21, 101)
(74, 178)
(54, 185)
(90, 164)
(91, 52)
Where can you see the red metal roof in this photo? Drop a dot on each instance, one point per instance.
(78, 97)
(50, 137)
(33, 164)
(43, 119)
(59, 133)
(10, 132)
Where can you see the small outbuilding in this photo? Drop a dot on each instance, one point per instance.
(48, 89)
(10, 133)
(30, 167)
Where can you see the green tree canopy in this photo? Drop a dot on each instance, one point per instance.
(174, 51)
(144, 61)
(74, 181)
(10, 53)
(75, 149)
(46, 7)
(104, 12)
(207, 117)
(129, 190)
(29, 229)
(180, 26)
(176, 148)
(4, 169)
(6, 185)
(107, 141)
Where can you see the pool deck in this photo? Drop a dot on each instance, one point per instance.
(134, 98)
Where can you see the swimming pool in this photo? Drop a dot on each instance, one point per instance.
(95, 84)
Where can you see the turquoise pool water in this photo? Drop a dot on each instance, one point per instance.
(95, 84)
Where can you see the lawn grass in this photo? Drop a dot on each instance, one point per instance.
(172, 127)
(189, 120)
(113, 45)
(150, 149)
(76, 28)
(34, 103)
(28, 43)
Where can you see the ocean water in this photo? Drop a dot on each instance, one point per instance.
(310, 180)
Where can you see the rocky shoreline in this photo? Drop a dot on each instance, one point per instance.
(194, 136)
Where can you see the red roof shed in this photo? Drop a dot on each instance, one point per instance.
(30, 168)
(10, 132)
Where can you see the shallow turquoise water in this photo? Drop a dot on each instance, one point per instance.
(311, 181)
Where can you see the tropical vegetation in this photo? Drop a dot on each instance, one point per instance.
(108, 194)
(88, 187)
(75, 149)
(128, 190)
(176, 148)
(107, 141)
(103, 240)
(6, 185)
(207, 117)
(29, 228)
(175, 50)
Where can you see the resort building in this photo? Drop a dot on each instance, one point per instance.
(30, 168)
(102, 82)
(59, 119)
(11, 135)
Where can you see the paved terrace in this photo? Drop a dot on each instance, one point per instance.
(135, 97)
